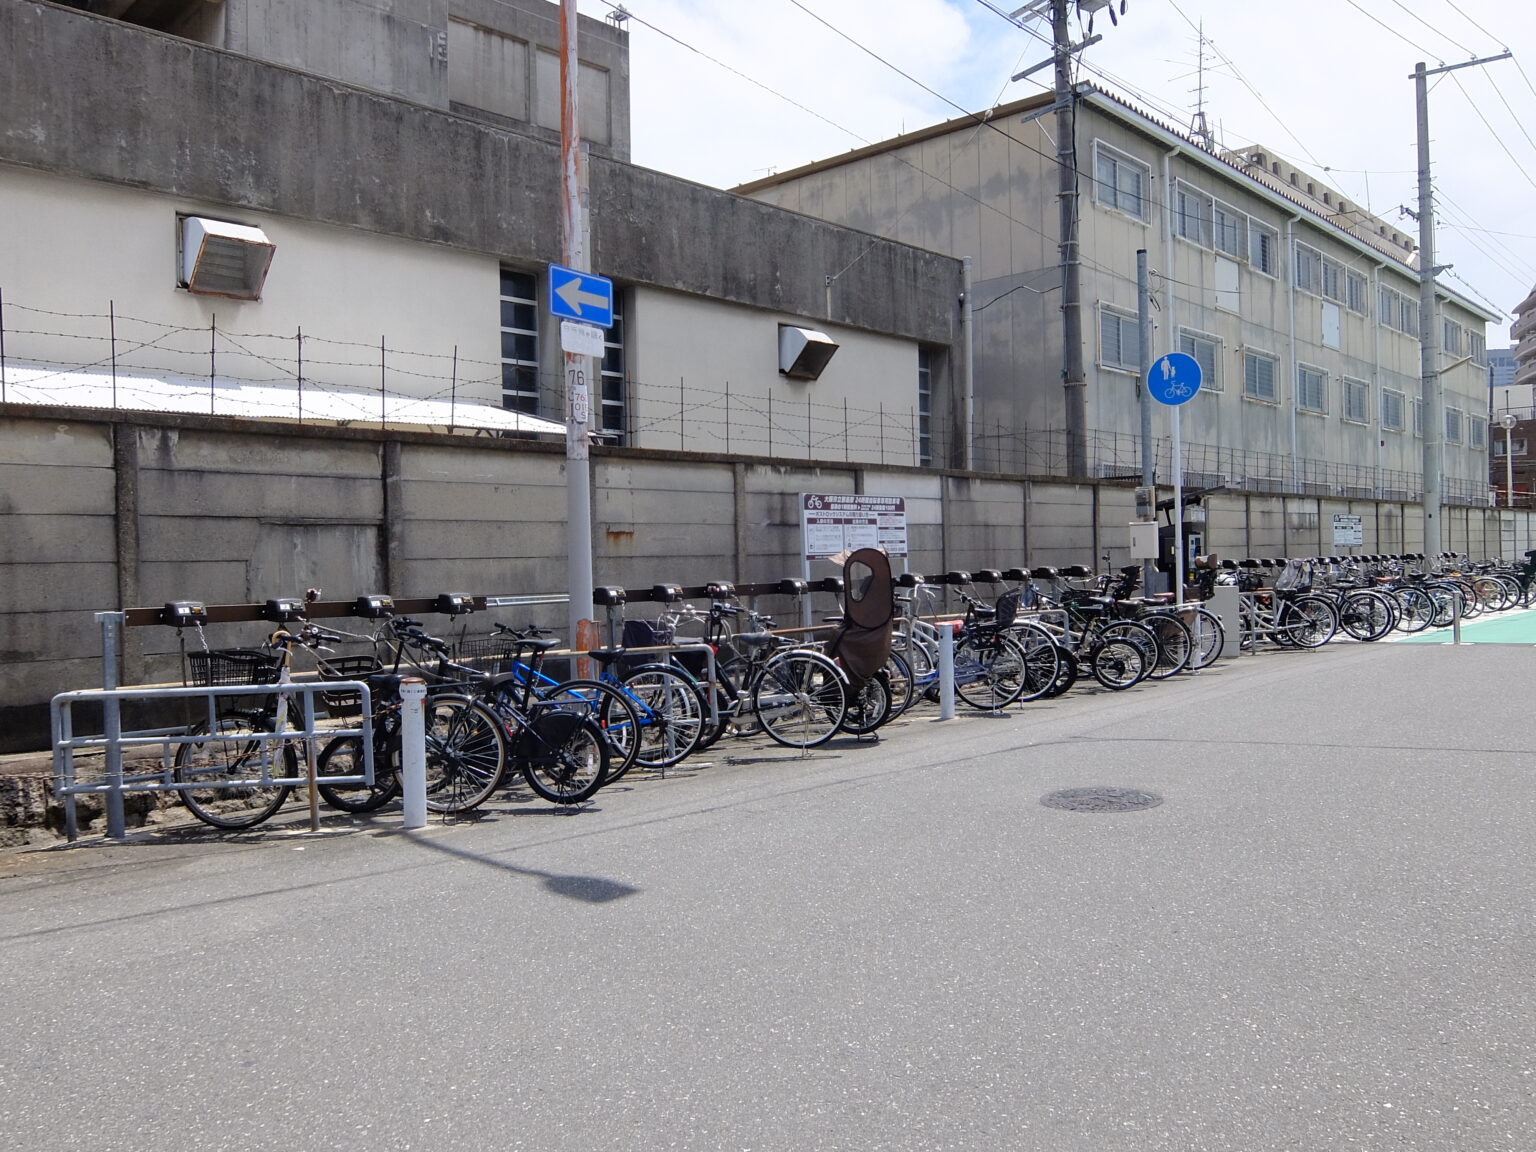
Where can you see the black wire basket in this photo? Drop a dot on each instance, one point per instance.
(487, 653)
(233, 666)
(347, 702)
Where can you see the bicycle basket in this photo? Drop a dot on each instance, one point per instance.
(346, 702)
(487, 653)
(645, 634)
(230, 666)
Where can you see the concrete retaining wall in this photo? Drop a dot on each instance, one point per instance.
(98, 514)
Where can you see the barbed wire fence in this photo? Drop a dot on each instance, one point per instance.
(687, 415)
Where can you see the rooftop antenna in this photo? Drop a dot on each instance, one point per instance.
(617, 16)
(1199, 127)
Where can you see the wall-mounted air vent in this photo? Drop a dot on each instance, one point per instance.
(804, 352)
(222, 259)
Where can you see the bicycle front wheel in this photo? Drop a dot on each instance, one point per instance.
(1208, 636)
(1118, 663)
(989, 670)
(799, 698)
(869, 707)
(1174, 644)
(226, 781)
(466, 753)
(672, 712)
(343, 756)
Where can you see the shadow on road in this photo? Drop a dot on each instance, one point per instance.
(587, 889)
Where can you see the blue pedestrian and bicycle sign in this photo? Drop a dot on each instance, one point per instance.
(580, 296)
(1174, 378)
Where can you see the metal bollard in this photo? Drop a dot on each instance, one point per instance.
(946, 671)
(413, 751)
(1456, 619)
(112, 718)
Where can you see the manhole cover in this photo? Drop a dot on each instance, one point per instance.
(1101, 799)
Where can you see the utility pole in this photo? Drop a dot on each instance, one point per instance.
(1144, 397)
(1074, 383)
(578, 368)
(1430, 383)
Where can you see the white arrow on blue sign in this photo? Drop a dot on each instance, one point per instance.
(1174, 378)
(580, 296)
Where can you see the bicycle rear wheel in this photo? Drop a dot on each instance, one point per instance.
(1118, 663)
(563, 756)
(226, 782)
(1042, 659)
(869, 707)
(1208, 636)
(800, 698)
(612, 710)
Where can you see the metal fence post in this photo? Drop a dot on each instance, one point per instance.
(413, 751)
(112, 721)
(946, 671)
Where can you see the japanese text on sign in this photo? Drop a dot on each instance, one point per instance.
(834, 524)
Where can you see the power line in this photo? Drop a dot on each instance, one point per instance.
(1518, 166)
(1432, 28)
(1475, 24)
(1394, 31)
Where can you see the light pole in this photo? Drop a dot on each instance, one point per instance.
(1508, 422)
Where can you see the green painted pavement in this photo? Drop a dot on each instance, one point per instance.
(1505, 628)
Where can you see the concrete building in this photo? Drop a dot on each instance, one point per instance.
(1302, 309)
(381, 180)
(1523, 333)
(1504, 395)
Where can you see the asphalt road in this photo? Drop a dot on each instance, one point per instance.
(1321, 939)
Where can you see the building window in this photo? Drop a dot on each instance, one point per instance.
(1516, 446)
(1204, 349)
(1357, 401)
(1332, 279)
(1479, 429)
(1392, 410)
(1451, 337)
(1354, 291)
(1259, 377)
(1453, 425)
(1386, 306)
(1119, 340)
(1311, 389)
(1410, 310)
(1230, 230)
(1308, 271)
(1119, 181)
(1477, 344)
(610, 420)
(1418, 416)
(1263, 242)
(924, 406)
(519, 341)
(1192, 214)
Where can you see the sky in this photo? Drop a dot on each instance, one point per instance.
(727, 91)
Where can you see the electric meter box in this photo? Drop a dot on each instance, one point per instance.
(1143, 540)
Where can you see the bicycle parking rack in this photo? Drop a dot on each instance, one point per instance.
(114, 742)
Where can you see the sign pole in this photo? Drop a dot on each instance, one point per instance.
(578, 475)
(1178, 510)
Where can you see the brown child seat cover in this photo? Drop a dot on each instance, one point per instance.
(863, 641)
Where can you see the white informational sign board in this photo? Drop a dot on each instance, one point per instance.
(833, 524)
(1348, 531)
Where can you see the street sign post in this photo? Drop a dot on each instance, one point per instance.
(580, 296)
(1174, 380)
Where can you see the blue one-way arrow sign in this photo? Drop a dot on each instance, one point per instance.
(580, 296)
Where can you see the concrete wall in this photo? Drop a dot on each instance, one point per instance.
(98, 514)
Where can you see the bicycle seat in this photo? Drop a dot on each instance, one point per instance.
(756, 639)
(606, 656)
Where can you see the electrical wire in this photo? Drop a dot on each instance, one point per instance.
(1417, 48)
(1437, 31)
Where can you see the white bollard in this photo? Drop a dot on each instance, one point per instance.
(946, 671)
(413, 751)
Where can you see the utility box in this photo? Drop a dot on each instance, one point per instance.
(1225, 602)
(1143, 540)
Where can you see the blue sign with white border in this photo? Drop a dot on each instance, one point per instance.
(1174, 378)
(580, 296)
